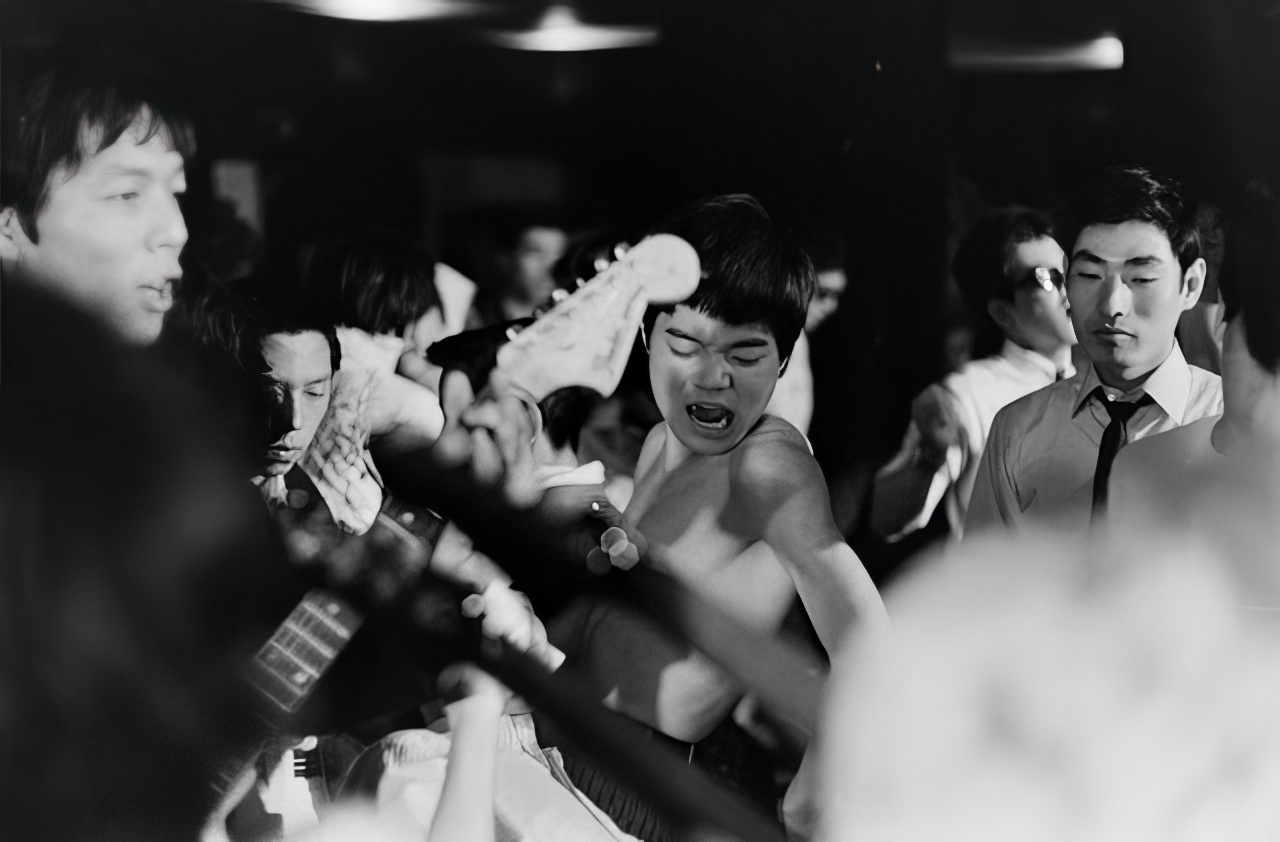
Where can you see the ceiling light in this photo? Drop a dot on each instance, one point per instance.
(387, 10)
(559, 29)
(1105, 53)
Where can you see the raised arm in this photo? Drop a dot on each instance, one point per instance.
(780, 494)
(909, 488)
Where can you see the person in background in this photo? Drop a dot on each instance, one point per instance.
(1151, 475)
(526, 251)
(1135, 267)
(1010, 270)
(793, 398)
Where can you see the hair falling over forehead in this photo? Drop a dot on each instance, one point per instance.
(67, 108)
(1139, 194)
(753, 271)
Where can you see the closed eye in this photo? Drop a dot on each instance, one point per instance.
(682, 347)
(126, 197)
(747, 361)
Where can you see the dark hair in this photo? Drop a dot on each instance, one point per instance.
(235, 318)
(1139, 194)
(69, 107)
(982, 260)
(753, 271)
(1248, 282)
(377, 281)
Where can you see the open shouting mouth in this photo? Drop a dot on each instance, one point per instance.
(710, 416)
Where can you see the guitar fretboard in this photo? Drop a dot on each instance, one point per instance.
(297, 656)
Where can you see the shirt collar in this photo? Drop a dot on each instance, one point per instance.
(1025, 358)
(1169, 385)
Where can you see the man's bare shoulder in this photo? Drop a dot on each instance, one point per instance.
(772, 458)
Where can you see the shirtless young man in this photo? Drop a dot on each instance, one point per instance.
(731, 500)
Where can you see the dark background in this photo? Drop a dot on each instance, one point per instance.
(847, 112)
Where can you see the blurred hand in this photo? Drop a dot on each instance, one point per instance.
(493, 435)
(593, 529)
(939, 428)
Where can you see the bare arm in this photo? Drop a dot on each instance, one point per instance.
(779, 489)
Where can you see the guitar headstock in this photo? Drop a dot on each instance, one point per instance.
(586, 338)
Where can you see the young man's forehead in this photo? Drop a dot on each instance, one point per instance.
(1119, 242)
(705, 326)
(298, 358)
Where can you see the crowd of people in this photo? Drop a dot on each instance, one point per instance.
(303, 554)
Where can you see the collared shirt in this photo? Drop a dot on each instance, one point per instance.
(1043, 448)
(974, 395)
(1149, 480)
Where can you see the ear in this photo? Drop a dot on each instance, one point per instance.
(12, 238)
(1001, 312)
(1193, 283)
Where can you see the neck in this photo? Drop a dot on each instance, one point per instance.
(1252, 418)
(1059, 355)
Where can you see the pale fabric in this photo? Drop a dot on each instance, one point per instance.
(449, 318)
(1043, 448)
(793, 396)
(974, 394)
(533, 798)
(1150, 478)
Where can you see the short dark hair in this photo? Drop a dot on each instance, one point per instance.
(1139, 194)
(753, 271)
(377, 280)
(236, 317)
(1250, 289)
(68, 107)
(982, 261)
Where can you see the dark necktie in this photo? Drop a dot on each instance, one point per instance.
(1112, 437)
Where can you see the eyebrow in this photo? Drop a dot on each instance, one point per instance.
(742, 343)
(326, 379)
(1145, 260)
(127, 170)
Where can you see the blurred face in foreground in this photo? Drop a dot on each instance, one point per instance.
(109, 235)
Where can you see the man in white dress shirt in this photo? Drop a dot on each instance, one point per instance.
(1009, 267)
(1135, 267)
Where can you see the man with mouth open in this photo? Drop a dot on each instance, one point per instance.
(1135, 266)
(730, 499)
(93, 168)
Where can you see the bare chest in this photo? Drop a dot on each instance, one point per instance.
(687, 516)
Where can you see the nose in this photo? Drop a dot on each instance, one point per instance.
(170, 229)
(286, 416)
(1114, 298)
(712, 373)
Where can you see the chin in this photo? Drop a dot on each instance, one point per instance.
(275, 469)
